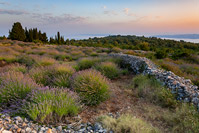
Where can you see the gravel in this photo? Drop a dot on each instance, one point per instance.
(19, 125)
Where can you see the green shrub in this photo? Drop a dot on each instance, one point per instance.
(62, 75)
(150, 88)
(87, 63)
(93, 54)
(184, 119)
(26, 60)
(51, 105)
(56, 75)
(178, 54)
(45, 61)
(161, 54)
(15, 68)
(42, 75)
(109, 69)
(14, 86)
(127, 124)
(92, 87)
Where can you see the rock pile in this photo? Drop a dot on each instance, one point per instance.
(183, 88)
(19, 125)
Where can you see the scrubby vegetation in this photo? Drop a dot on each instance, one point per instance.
(148, 87)
(51, 105)
(39, 83)
(49, 83)
(109, 69)
(127, 124)
(92, 87)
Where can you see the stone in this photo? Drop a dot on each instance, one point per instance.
(82, 130)
(18, 118)
(23, 131)
(42, 129)
(33, 131)
(59, 128)
(18, 130)
(28, 130)
(24, 124)
(54, 130)
(49, 130)
(97, 126)
(6, 131)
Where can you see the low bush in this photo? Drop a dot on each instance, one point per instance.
(161, 54)
(149, 87)
(62, 75)
(56, 75)
(14, 86)
(94, 54)
(127, 124)
(26, 60)
(15, 68)
(92, 87)
(109, 69)
(8, 58)
(87, 63)
(46, 105)
(45, 61)
(184, 119)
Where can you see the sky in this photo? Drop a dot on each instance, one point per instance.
(102, 17)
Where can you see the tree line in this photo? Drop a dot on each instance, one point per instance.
(32, 35)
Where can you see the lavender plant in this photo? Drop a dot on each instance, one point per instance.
(14, 86)
(51, 104)
(56, 75)
(14, 67)
(87, 63)
(91, 85)
(109, 69)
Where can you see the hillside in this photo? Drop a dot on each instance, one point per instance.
(69, 88)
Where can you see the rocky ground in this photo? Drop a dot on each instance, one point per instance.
(19, 125)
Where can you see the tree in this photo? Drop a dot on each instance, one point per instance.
(30, 38)
(62, 40)
(35, 34)
(17, 32)
(27, 35)
(52, 41)
(58, 38)
(44, 37)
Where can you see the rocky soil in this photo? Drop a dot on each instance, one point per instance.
(19, 125)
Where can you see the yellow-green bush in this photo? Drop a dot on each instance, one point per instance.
(91, 85)
(127, 124)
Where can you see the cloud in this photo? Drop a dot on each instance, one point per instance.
(128, 13)
(4, 3)
(46, 17)
(64, 18)
(13, 12)
(110, 13)
(104, 7)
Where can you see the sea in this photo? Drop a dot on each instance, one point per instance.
(186, 40)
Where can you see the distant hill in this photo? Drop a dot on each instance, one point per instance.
(180, 36)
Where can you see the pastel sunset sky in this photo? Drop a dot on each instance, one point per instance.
(74, 17)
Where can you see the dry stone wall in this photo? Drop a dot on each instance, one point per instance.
(183, 88)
